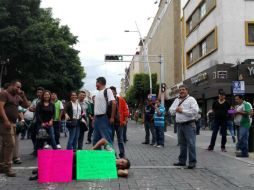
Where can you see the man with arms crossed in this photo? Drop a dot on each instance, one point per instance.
(185, 108)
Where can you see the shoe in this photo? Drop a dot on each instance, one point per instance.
(35, 171)
(242, 156)
(17, 161)
(191, 166)
(179, 164)
(159, 146)
(8, 171)
(88, 142)
(46, 146)
(58, 146)
(233, 138)
(145, 142)
(33, 178)
(152, 144)
(209, 148)
(223, 150)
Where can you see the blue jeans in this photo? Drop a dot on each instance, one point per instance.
(230, 127)
(243, 140)
(50, 131)
(187, 142)
(149, 127)
(73, 137)
(119, 133)
(102, 129)
(159, 135)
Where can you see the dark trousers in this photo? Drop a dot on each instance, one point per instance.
(125, 133)
(222, 125)
(119, 133)
(81, 138)
(90, 131)
(56, 125)
(149, 127)
(159, 135)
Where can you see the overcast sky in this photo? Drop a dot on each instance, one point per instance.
(100, 27)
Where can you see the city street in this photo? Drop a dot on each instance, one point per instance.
(152, 168)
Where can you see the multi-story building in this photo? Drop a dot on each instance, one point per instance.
(218, 47)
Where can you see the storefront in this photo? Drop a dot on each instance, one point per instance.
(206, 85)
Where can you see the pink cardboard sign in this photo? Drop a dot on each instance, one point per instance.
(55, 166)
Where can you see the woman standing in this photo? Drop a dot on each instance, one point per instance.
(73, 113)
(44, 113)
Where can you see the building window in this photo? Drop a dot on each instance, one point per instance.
(203, 48)
(206, 46)
(222, 74)
(203, 10)
(249, 33)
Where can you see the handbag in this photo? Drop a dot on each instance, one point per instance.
(72, 123)
(42, 133)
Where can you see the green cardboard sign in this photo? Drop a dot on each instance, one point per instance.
(96, 164)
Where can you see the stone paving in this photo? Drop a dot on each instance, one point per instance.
(152, 168)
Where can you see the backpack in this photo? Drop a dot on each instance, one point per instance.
(109, 108)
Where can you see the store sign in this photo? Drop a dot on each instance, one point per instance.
(251, 71)
(238, 87)
(199, 78)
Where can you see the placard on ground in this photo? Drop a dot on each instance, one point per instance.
(55, 166)
(96, 164)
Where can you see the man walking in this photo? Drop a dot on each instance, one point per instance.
(121, 118)
(220, 110)
(243, 120)
(10, 99)
(104, 116)
(185, 108)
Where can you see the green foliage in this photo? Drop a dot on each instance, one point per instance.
(137, 93)
(40, 50)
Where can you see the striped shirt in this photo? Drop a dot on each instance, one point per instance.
(159, 116)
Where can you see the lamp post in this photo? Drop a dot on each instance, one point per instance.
(144, 45)
(3, 63)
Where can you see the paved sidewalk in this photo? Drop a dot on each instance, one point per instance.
(152, 168)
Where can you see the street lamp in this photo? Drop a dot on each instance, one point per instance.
(145, 54)
(3, 63)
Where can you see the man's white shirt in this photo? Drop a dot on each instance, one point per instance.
(100, 104)
(190, 109)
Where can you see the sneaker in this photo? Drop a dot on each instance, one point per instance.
(242, 156)
(145, 142)
(155, 145)
(17, 161)
(46, 146)
(159, 146)
(88, 142)
(223, 150)
(179, 164)
(58, 146)
(209, 148)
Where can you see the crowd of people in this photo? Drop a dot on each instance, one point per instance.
(42, 119)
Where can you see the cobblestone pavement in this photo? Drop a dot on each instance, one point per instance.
(152, 168)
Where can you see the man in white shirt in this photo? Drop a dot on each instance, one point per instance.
(103, 121)
(185, 108)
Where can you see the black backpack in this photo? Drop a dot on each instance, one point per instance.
(109, 108)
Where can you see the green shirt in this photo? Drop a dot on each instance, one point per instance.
(246, 120)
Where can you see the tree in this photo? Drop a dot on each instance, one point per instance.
(40, 51)
(137, 93)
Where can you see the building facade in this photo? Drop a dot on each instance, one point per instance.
(217, 47)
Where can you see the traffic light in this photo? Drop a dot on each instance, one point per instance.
(113, 58)
(163, 87)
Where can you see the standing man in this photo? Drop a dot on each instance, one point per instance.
(185, 108)
(159, 123)
(86, 109)
(148, 122)
(121, 118)
(57, 117)
(243, 120)
(102, 120)
(90, 124)
(10, 99)
(220, 110)
(33, 125)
